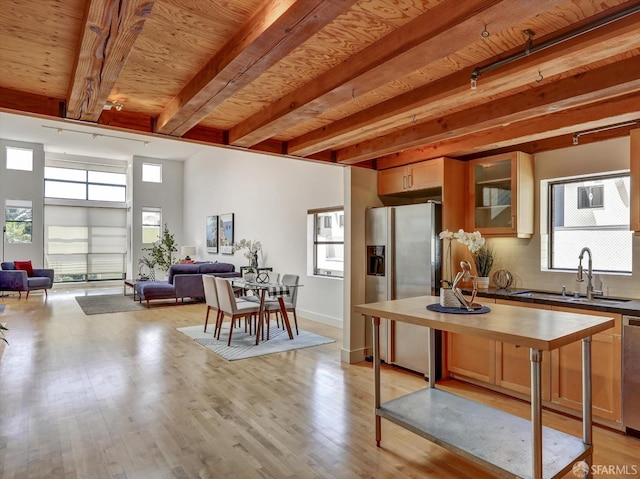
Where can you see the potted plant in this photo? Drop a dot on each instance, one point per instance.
(161, 253)
(145, 269)
(483, 254)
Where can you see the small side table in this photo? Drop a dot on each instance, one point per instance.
(131, 283)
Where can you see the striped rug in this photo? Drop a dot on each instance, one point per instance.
(243, 345)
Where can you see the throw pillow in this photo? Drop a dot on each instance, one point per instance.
(25, 266)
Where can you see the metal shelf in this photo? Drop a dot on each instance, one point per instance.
(496, 440)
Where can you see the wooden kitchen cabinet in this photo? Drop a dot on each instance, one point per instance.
(415, 177)
(500, 195)
(606, 371)
(472, 356)
(634, 165)
(513, 363)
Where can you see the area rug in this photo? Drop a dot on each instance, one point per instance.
(243, 345)
(108, 303)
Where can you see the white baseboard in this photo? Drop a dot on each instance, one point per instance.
(320, 318)
(355, 356)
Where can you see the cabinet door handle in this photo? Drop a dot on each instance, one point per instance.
(404, 182)
(513, 222)
(410, 180)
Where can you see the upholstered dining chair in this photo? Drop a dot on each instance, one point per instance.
(211, 298)
(228, 304)
(290, 301)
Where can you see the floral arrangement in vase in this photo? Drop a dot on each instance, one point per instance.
(253, 247)
(483, 254)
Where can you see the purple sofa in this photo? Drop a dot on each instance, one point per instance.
(12, 279)
(184, 281)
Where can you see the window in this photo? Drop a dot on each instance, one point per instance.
(18, 219)
(85, 243)
(590, 212)
(328, 241)
(151, 173)
(151, 221)
(19, 159)
(81, 184)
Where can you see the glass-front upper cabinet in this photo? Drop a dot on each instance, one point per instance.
(501, 195)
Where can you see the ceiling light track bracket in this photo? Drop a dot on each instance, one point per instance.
(530, 49)
(577, 135)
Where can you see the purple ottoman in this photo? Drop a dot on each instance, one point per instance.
(149, 290)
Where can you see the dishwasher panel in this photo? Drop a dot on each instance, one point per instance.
(631, 372)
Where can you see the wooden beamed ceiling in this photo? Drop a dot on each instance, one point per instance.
(375, 83)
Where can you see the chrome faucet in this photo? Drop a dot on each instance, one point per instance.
(580, 278)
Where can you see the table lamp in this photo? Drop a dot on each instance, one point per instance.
(187, 251)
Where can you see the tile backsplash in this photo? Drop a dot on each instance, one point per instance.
(522, 258)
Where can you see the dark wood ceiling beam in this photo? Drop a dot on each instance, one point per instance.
(31, 103)
(277, 29)
(616, 79)
(433, 99)
(446, 28)
(110, 30)
(604, 113)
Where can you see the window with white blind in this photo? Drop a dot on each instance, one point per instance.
(85, 243)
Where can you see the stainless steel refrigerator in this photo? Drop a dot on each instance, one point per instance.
(403, 260)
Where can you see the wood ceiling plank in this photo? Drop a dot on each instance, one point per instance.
(110, 30)
(613, 80)
(442, 30)
(600, 44)
(271, 34)
(595, 115)
(434, 99)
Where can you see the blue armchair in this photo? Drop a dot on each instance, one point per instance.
(12, 279)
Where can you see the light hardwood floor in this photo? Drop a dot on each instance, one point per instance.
(125, 395)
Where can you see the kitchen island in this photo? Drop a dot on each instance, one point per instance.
(504, 444)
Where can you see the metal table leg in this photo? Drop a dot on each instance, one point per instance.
(376, 376)
(587, 425)
(431, 337)
(536, 412)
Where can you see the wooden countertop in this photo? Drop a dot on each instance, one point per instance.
(539, 329)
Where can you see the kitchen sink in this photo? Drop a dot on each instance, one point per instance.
(569, 299)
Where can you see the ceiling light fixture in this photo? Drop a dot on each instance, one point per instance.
(95, 135)
(112, 104)
(576, 136)
(529, 49)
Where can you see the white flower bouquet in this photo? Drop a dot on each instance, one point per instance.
(483, 254)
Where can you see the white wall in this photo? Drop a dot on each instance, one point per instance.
(24, 185)
(362, 187)
(270, 197)
(167, 195)
(522, 256)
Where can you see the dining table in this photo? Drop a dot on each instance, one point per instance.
(273, 291)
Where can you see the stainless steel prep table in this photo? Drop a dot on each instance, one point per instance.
(489, 437)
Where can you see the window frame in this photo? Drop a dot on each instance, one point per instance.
(551, 212)
(17, 204)
(9, 158)
(314, 214)
(147, 210)
(87, 183)
(147, 180)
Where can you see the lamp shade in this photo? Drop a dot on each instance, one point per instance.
(187, 251)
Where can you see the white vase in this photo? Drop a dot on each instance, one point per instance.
(250, 277)
(448, 299)
(482, 282)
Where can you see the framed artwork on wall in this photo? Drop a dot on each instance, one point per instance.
(225, 233)
(212, 234)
